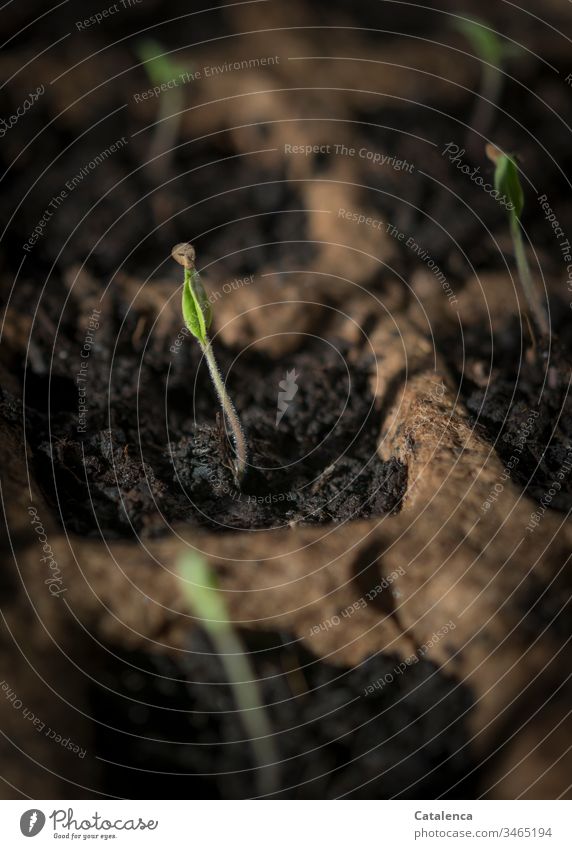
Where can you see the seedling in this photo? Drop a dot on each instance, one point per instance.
(207, 604)
(507, 183)
(165, 76)
(493, 52)
(197, 314)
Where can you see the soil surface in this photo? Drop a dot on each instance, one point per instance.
(185, 724)
(161, 455)
(525, 409)
(125, 453)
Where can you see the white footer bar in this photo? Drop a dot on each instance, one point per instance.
(287, 824)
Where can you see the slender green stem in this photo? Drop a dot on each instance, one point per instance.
(491, 87)
(253, 714)
(238, 438)
(535, 305)
(166, 132)
(207, 603)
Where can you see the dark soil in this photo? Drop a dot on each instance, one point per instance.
(154, 451)
(525, 408)
(159, 453)
(406, 739)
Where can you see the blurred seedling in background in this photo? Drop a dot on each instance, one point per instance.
(207, 605)
(197, 314)
(507, 183)
(161, 70)
(494, 53)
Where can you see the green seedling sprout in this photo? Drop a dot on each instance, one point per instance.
(507, 184)
(493, 52)
(161, 70)
(207, 604)
(197, 314)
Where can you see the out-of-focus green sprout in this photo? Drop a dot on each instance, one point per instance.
(208, 606)
(166, 77)
(494, 53)
(507, 183)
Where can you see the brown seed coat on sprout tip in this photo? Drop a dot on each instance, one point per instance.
(184, 254)
(493, 153)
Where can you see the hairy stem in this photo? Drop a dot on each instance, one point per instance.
(535, 305)
(238, 438)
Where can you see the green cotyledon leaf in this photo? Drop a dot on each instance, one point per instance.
(484, 40)
(507, 182)
(487, 44)
(197, 311)
(203, 594)
(160, 67)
